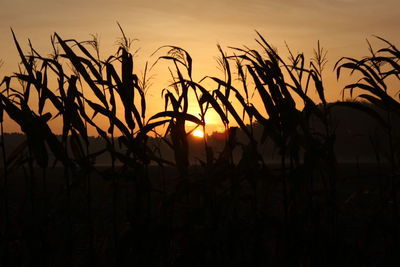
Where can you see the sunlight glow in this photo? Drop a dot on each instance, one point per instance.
(198, 133)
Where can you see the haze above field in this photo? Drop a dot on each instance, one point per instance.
(197, 26)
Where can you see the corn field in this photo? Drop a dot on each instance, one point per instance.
(151, 204)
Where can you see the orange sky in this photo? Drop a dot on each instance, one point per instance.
(341, 25)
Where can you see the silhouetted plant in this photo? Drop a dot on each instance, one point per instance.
(211, 211)
(378, 72)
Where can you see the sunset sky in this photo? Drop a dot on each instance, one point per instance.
(341, 26)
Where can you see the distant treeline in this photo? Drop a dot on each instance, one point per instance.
(358, 137)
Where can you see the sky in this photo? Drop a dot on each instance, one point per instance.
(342, 26)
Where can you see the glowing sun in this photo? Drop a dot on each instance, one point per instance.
(198, 133)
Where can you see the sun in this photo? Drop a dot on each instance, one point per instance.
(198, 133)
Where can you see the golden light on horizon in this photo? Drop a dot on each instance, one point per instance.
(198, 133)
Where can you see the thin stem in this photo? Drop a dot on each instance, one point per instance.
(5, 195)
(114, 199)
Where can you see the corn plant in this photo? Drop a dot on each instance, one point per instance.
(221, 210)
(288, 127)
(378, 73)
(180, 105)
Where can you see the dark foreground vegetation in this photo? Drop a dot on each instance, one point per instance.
(230, 206)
